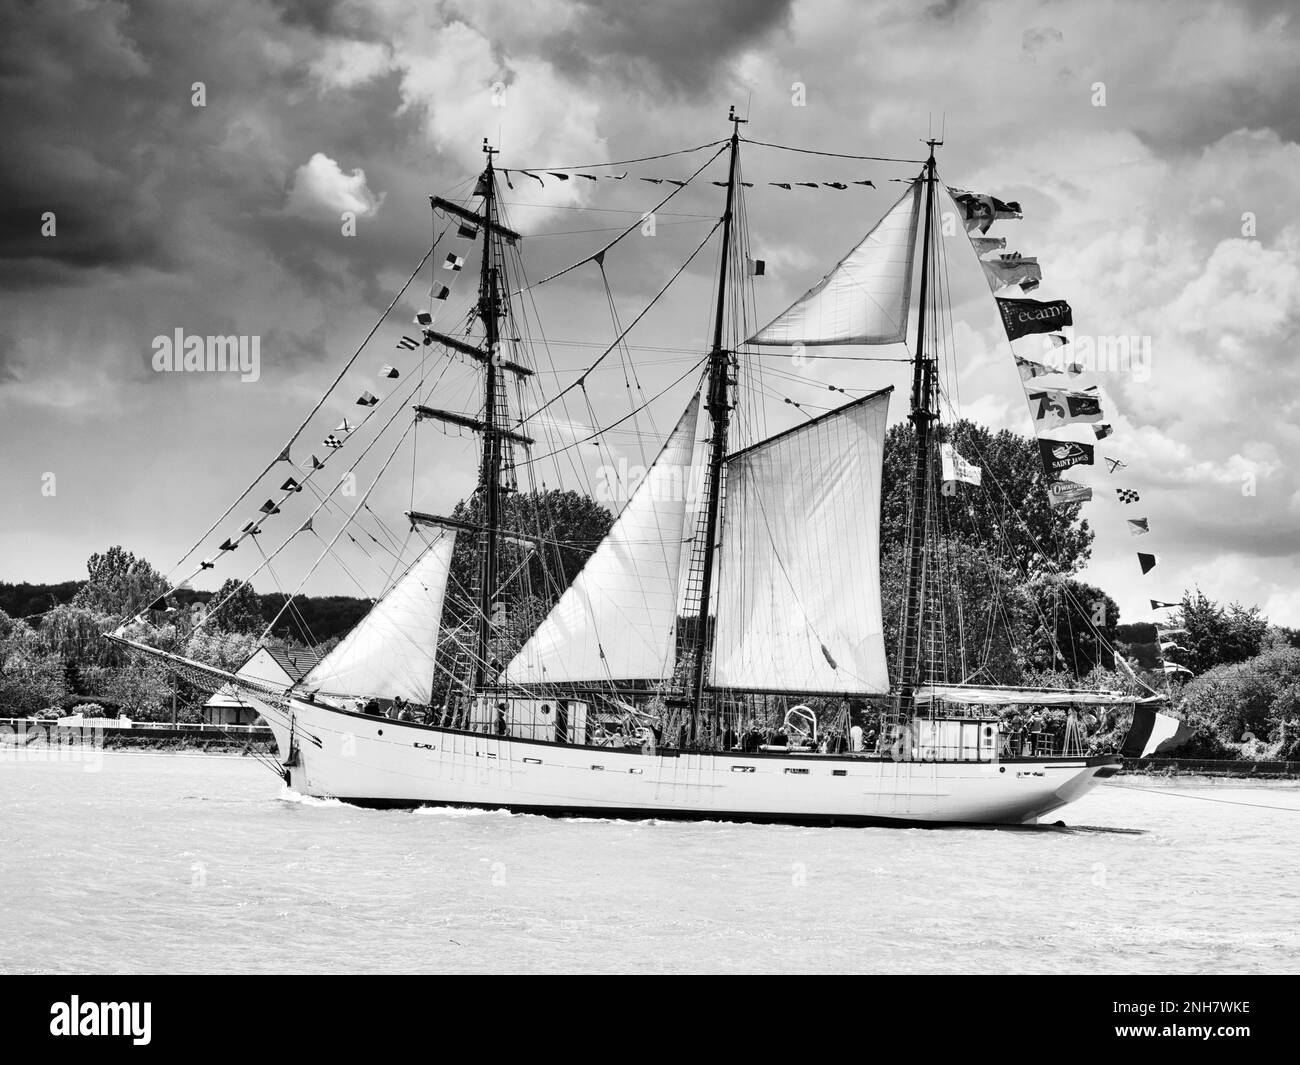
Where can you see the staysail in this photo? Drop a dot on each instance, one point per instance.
(617, 620)
(391, 651)
(798, 605)
(864, 300)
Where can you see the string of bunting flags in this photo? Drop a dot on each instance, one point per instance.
(540, 177)
(1069, 420)
(334, 441)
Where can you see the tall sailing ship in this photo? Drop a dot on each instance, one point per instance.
(707, 657)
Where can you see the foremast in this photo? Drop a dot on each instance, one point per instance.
(719, 408)
(489, 310)
(923, 417)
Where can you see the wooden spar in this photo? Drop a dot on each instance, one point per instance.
(720, 413)
(478, 354)
(922, 418)
(483, 221)
(466, 422)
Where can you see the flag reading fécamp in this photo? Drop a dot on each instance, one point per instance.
(1054, 408)
(1012, 270)
(956, 468)
(1062, 493)
(1025, 317)
(980, 211)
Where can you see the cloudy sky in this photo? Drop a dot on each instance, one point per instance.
(1151, 145)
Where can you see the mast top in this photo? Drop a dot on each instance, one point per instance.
(489, 151)
(735, 120)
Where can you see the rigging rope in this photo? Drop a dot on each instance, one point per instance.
(599, 256)
(618, 340)
(833, 155)
(620, 162)
(284, 451)
(1204, 798)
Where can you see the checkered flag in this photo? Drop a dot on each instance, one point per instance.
(333, 441)
(1127, 495)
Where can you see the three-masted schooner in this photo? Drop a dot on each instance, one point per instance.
(635, 694)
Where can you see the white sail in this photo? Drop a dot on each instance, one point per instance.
(798, 605)
(864, 300)
(618, 619)
(391, 650)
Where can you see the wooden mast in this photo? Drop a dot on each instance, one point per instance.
(922, 417)
(490, 469)
(719, 408)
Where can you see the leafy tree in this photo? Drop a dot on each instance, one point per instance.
(31, 600)
(237, 608)
(1009, 512)
(142, 689)
(986, 615)
(1075, 625)
(1216, 635)
(31, 677)
(1259, 697)
(119, 583)
(568, 525)
(76, 635)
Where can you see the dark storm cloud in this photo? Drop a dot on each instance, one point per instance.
(676, 45)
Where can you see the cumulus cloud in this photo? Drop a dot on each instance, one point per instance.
(320, 185)
(171, 215)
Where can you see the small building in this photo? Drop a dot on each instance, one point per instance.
(270, 665)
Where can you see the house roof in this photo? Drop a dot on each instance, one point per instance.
(296, 662)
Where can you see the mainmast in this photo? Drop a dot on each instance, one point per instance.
(719, 408)
(922, 417)
(490, 469)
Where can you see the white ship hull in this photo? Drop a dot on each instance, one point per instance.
(380, 762)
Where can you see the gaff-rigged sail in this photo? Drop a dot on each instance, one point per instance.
(864, 300)
(391, 651)
(618, 619)
(798, 605)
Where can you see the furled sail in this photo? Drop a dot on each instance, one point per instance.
(391, 650)
(798, 605)
(864, 300)
(617, 620)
